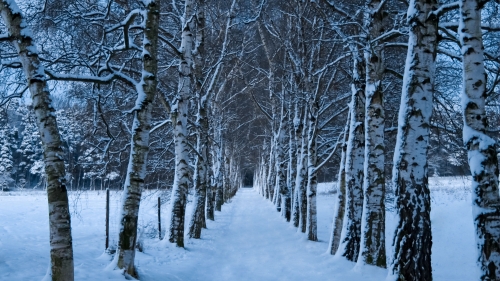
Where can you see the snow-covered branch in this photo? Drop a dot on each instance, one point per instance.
(449, 53)
(445, 8)
(92, 79)
(332, 152)
(389, 35)
(337, 114)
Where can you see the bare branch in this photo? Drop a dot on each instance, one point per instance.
(261, 108)
(443, 9)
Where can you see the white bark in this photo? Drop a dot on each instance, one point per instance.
(281, 167)
(481, 148)
(200, 177)
(372, 247)
(292, 160)
(210, 201)
(413, 239)
(218, 174)
(271, 173)
(300, 183)
(61, 247)
(338, 212)
(351, 229)
(296, 181)
(139, 144)
(179, 120)
(227, 174)
(312, 180)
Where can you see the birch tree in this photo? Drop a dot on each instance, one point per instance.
(61, 247)
(295, 148)
(139, 144)
(413, 238)
(179, 117)
(481, 148)
(283, 169)
(372, 245)
(339, 207)
(312, 179)
(351, 229)
(200, 177)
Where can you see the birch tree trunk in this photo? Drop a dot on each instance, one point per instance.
(210, 210)
(413, 238)
(312, 180)
(263, 180)
(179, 120)
(139, 145)
(61, 246)
(298, 127)
(292, 165)
(300, 183)
(281, 168)
(227, 174)
(338, 213)
(372, 248)
(271, 173)
(354, 165)
(200, 177)
(481, 148)
(219, 193)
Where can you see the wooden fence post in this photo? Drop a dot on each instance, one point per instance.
(107, 218)
(159, 218)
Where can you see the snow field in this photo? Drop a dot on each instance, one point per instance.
(248, 241)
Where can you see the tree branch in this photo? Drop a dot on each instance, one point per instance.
(261, 108)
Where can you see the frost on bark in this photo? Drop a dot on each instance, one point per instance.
(354, 165)
(372, 248)
(179, 120)
(481, 148)
(413, 238)
(338, 213)
(139, 144)
(200, 177)
(61, 247)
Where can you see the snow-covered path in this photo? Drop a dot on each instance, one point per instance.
(255, 244)
(250, 241)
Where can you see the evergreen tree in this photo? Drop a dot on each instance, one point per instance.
(6, 161)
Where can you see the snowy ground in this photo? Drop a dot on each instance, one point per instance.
(248, 241)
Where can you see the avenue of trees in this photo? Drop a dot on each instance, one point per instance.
(341, 91)
(202, 97)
